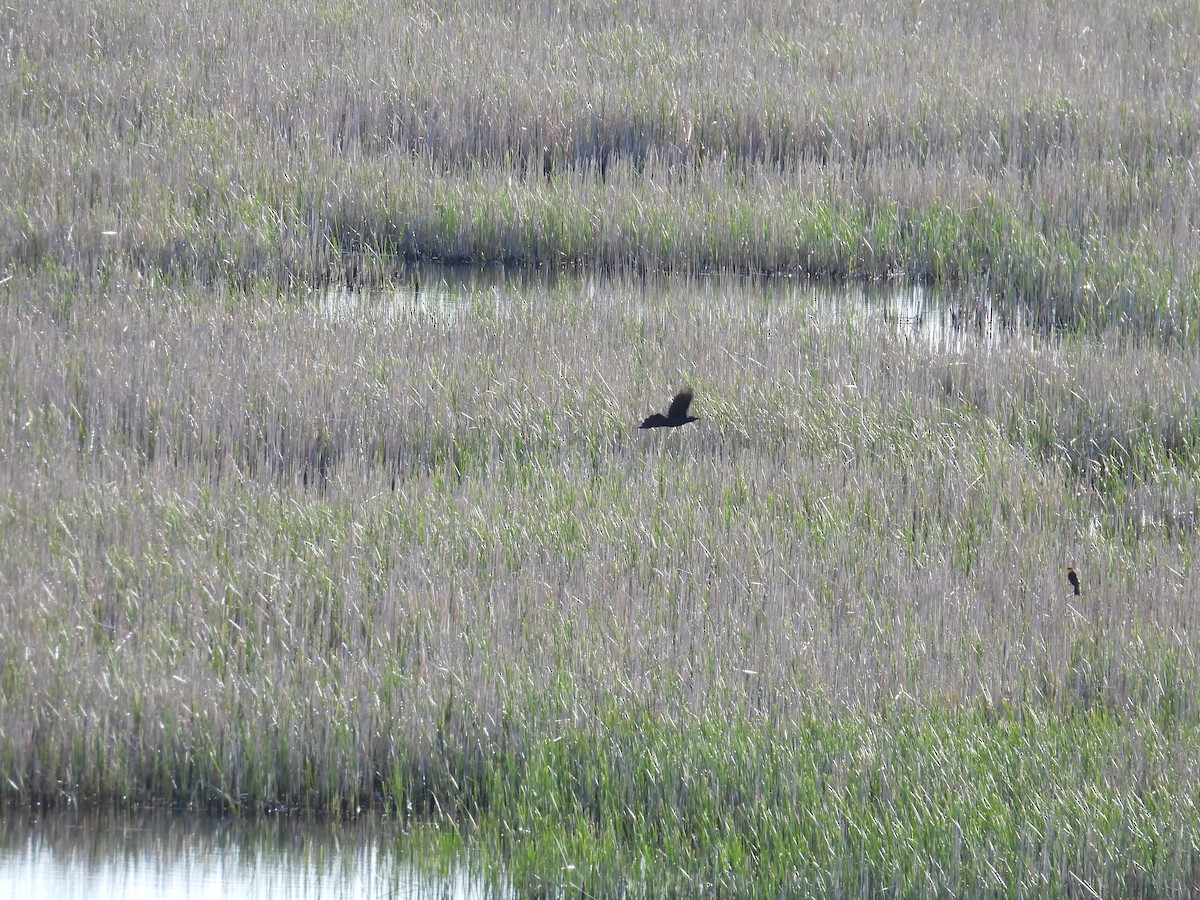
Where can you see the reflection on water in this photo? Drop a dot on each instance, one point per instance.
(96, 855)
(943, 320)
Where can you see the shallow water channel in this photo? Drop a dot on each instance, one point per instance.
(96, 855)
(941, 320)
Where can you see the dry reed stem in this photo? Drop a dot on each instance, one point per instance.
(225, 517)
(1052, 149)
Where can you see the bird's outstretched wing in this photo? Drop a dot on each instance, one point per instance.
(679, 406)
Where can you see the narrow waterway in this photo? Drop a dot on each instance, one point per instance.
(940, 319)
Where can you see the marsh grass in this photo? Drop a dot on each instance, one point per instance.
(263, 555)
(1052, 150)
(266, 547)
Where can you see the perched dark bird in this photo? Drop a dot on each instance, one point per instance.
(1073, 577)
(676, 414)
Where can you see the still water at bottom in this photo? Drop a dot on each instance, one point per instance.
(96, 855)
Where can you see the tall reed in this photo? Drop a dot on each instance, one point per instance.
(413, 553)
(272, 539)
(1048, 149)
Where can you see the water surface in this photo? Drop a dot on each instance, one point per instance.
(948, 320)
(96, 855)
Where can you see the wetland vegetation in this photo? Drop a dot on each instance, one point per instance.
(261, 552)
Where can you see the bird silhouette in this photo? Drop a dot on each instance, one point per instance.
(1073, 577)
(676, 413)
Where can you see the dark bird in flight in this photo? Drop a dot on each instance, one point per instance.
(676, 414)
(1073, 577)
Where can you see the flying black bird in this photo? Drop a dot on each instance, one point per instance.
(1073, 577)
(676, 414)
